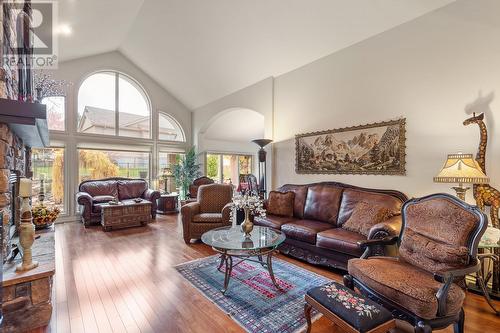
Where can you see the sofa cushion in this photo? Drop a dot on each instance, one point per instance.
(300, 198)
(322, 203)
(273, 221)
(365, 216)
(437, 233)
(340, 240)
(133, 188)
(100, 187)
(280, 203)
(102, 198)
(351, 197)
(304, 230)
(208, 218)
(407, 285)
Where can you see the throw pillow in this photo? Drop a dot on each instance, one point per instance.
(365, 216)
(280, 203)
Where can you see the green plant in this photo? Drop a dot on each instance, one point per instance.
(212, 166)
(185, 171)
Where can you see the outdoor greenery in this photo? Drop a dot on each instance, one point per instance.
(185, 171)
(213, 166)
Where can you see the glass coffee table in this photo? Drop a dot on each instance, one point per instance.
(231, 243)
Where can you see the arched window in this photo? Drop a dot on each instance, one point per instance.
(169, 129)
(56, 111)
(111, 103)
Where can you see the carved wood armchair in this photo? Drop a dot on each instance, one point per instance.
(437, 248)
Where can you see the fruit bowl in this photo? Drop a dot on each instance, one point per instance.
(44, 217)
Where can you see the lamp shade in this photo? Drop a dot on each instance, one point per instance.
(461, 168)
(262, 142)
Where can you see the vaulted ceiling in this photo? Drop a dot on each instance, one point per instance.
(201, 50)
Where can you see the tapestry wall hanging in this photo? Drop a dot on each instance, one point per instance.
(376, 149)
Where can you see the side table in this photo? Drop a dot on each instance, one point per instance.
(168, 204)
(491, 263)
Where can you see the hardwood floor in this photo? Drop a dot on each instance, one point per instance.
(124, 281)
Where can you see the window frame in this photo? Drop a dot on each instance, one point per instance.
(140, 89)
(221, 163)
(176, 123)
(65, 115)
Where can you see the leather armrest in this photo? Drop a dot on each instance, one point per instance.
(390, 227)
(226, 214)
(151, 195)
(84, 199)
(265, 203)
(188, 211)
(372, 242)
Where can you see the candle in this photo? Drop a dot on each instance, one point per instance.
(25, 187)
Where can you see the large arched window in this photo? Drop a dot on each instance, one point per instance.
(169, 129)
(111, 103)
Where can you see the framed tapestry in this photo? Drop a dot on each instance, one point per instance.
(376, 149)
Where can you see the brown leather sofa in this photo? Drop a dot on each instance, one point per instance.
(92, 192)
(314, 233)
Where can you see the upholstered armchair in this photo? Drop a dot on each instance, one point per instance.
(437, 248)
(211, 210)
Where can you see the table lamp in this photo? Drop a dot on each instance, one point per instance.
(462, 169)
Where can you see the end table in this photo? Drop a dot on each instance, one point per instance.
(168, 204)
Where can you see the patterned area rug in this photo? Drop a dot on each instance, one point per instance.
(251, 299)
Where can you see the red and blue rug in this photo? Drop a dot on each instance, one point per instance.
(251, 299)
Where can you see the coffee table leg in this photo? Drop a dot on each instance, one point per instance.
(270, 269)
(227, 275)
(222, 259)
(261, 261)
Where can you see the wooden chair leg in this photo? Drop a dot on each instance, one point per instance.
(307, 312)
(458, 327)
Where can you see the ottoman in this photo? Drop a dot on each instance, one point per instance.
(349, 311)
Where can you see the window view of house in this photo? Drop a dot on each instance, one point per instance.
(97, 164)
(98, 112)
(169, 129)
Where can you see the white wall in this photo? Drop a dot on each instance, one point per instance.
(259, 98)
(426, 70)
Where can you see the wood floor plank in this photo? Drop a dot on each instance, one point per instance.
(125, 281)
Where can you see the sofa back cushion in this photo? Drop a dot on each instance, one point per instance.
(436, 234)
(299, 200)
(213, 197)
(322, 203)
(131, 188)
(364, 216)
(351, 198)
(280, 203)
(100, 187)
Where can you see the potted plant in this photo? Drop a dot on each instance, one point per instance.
(185, 171)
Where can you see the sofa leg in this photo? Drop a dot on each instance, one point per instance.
(348, 282)
(187, 240)
(458, 327)
(307, 313)
(422, 327)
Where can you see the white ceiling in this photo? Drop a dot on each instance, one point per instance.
(236, 125)
(201, 50)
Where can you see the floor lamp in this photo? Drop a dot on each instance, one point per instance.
(262, 166)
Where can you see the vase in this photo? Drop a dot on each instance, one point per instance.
(247, 225)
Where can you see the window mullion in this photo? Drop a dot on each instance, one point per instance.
(117, 105)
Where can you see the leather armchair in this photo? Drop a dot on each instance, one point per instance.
(211, 210)
(437, 248)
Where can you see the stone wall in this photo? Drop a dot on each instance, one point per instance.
(8, 73)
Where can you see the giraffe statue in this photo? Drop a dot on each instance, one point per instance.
(484, 194)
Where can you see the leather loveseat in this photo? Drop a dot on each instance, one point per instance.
(314, 231)
(93, 192)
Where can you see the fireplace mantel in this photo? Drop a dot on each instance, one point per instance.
(27, 120)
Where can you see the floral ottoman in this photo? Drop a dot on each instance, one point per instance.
(351, 312)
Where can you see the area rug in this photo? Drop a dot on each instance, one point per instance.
(251, 299)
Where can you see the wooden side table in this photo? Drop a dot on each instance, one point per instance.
(168, 204)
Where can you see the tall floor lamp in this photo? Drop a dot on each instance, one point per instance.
(262, 165)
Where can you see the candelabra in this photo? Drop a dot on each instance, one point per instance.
(26, 227)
